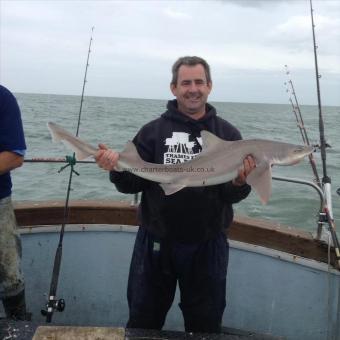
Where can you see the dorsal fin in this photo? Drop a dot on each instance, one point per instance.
(209, 139)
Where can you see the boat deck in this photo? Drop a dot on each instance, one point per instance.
(11, 330)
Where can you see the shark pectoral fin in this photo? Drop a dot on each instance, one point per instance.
(260, 180)
(170, 189)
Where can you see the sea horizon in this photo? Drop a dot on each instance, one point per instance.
(167, 99)
(114, 121)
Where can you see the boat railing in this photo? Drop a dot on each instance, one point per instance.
(301, 181)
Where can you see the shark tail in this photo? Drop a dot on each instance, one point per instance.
(81, 149)
(52, 127)
(80, 154)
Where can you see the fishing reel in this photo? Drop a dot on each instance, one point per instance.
(318, 146)
(52, 305)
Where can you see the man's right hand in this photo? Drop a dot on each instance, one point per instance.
(106, 158)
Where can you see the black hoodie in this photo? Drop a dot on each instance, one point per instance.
(191, 214)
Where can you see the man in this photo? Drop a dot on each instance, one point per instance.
(181, 236)
(12, 150)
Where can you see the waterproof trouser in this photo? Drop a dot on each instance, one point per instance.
(200, 270)
(11, 277)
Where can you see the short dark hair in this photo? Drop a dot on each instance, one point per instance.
(189, 61)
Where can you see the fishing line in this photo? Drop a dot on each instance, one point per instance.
(53, 303)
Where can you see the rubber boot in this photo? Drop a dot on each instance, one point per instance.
(15, 307)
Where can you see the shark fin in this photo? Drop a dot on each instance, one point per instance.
(210, 140)
(260, 180)
(129, 155)
(170, 189)
(129, 150)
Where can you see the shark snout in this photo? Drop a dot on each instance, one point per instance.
(295, 155)
(309, 149)
(301, 152)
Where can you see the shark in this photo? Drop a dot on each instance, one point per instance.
(217, 163)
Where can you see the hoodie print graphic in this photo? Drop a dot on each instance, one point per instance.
(180, 149)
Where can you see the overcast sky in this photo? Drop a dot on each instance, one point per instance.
(43, 47)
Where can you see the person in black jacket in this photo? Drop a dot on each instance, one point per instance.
(181, 236)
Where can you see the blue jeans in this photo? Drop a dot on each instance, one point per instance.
(199, 268)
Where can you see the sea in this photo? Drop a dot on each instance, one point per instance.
(114, 121)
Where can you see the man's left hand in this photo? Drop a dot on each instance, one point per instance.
(248, 165)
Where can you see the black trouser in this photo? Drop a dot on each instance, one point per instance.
(200, 270)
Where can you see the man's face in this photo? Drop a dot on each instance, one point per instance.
(191, 90)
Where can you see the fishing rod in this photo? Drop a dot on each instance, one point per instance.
(327, 215)
(300, 123)
(53, 303)
(69, 160)
(325, 178)
(55, 160)
(296, 109)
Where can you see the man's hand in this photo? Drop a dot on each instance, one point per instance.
(248, 166)
(106, 158)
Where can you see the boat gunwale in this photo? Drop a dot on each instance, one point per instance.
(264, 233)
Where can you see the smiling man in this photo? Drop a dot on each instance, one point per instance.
(191, 85)
(181, 238)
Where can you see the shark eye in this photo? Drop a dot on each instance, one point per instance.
(298, 150)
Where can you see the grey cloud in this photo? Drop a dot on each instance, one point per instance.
(253, 3)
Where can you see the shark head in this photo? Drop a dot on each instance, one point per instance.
(292, 154)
